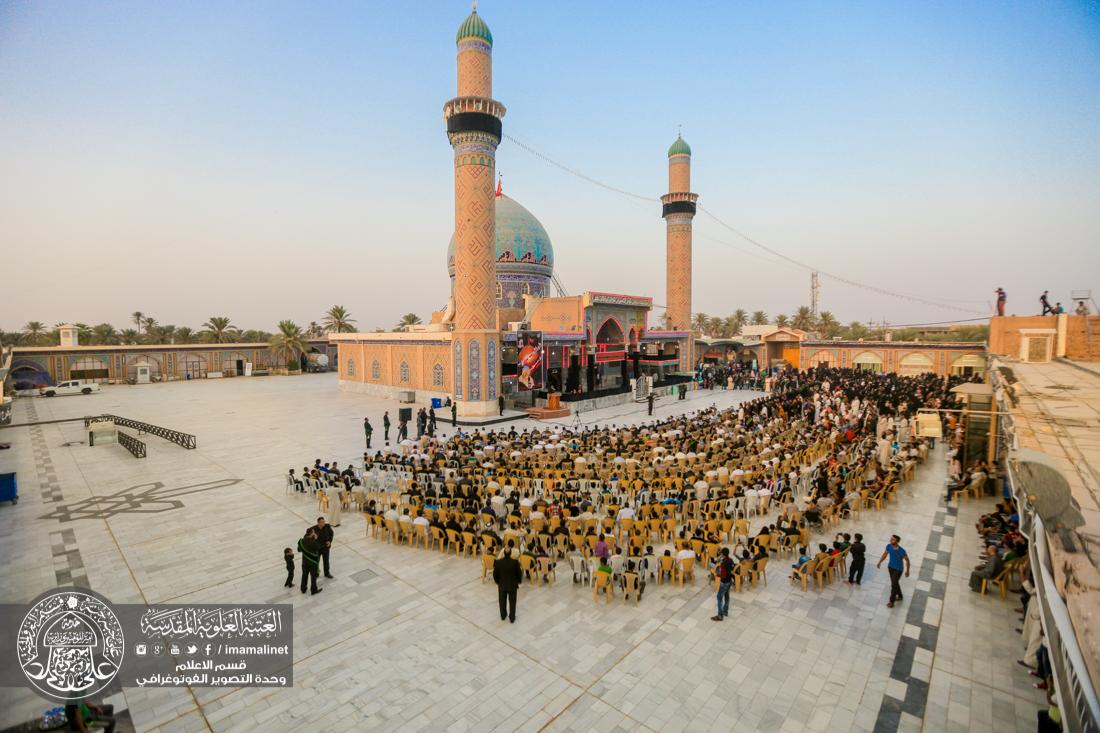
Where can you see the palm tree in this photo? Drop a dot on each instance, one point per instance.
(149, 323)
(339, 320)
(759, 318)
(185, 335)
(104, 333)
(218, 329)
(34, 331)
(855, 331)
(129, 336)
(803, 319)
(740, 318)
(253, 336)
(138, 318)
(699, 323)
(83, 333)
(781, 320)
(827, 325)
(314, 329)
(409, 319)
(288, 343)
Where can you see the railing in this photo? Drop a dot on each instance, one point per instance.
(1080, 707)
(131, 444)
(188, 441)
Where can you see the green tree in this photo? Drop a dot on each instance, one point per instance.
(338, 320)
(781, 320)
(129, 336)
(827, 325)
(740, 318)
(855, 331)
(288, 343)
(149, 324)
(699, 323)
(138, 318)
(803, 319)
(34, 331)
(158, 334)
(409, 319)
(104, 333)
(185, 335)
(219, 330)
(759, 318)
(253, 336)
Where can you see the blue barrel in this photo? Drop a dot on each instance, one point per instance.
(8, 490)
(437, 403)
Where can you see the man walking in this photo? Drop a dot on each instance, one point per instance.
(368, 430)
(724, 571)
(1044, 301)
(899, 560)
(311, 557)
(858, 551)
(323, 531)
(454, 414)
(507, 576)
(386, 426)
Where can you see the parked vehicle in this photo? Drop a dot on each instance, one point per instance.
(73, 386)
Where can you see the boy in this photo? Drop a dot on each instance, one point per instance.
(288, 556)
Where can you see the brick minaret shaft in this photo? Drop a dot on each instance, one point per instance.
(678, 210)
(474, 130)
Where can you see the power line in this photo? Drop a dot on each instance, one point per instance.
(742, 235)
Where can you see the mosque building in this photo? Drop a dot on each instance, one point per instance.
(503, 333)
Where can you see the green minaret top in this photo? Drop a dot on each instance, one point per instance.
(474, 27)
(680, 147)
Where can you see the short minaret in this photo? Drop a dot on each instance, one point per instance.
(474, 130)
(69, 334)
(678, 211)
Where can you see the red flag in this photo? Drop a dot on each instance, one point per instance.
(500, 191)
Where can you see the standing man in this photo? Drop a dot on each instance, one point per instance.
(1001, 298)
(324, 533)
(899, 560)
(368, 430)
(507, 576)
(724, 571)
(311, 557)
(454, 414)
(1045, 302)
(500, 404)
(858, 551)
(649, 402)
(386, 426)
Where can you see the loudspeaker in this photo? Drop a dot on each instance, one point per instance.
(405, 413)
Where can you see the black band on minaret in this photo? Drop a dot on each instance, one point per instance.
(678, 207)
(474, 122)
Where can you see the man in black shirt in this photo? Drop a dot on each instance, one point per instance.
(858, 552)
(324, 533)
(508, 576)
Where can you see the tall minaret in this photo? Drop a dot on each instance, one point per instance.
(678, 210)
(473, 128)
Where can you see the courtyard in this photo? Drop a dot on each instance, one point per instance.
(406, 639)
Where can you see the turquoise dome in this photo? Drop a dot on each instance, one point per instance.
(522, 244)
(474, 27)
(680, 147)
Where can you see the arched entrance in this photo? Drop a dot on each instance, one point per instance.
(915, 364)
(610, 333)
(868, 361)
(968, 364)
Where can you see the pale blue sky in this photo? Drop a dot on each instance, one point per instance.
(264, 160)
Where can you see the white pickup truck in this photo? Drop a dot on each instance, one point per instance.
(73, 386)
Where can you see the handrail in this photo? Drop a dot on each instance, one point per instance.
(186, 440)
(131, 444)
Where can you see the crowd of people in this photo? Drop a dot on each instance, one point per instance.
(820, 445)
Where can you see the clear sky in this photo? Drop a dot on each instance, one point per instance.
(265, 160)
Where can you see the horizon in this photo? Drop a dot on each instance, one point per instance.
(268, 153)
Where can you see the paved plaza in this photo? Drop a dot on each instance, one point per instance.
(410, 640)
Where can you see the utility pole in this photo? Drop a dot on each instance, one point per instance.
(815, 292)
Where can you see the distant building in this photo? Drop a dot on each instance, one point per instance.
(899, 357)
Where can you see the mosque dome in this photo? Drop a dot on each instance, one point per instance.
(680, 147)
(474, 27)
(524, 255)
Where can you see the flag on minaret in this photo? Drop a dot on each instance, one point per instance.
(500, 190)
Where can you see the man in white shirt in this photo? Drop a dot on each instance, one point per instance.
(391, 514)
(625, 513)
